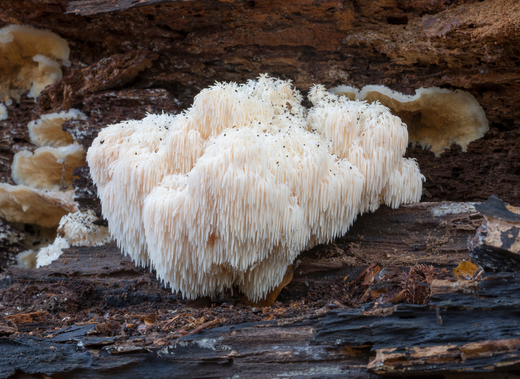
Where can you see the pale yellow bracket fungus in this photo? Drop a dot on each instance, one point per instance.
(48, 167)
(435, 117)
(30, 59)
(47, 131)
(75, 229)
(31, 206)
(229, 192)
(42, 176)
(350, 92)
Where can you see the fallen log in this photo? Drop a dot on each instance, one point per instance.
(496, 245)
(93, 313)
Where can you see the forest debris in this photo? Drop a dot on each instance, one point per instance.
(7, 330)
(200, 302)
(453, 286)
(370, 275)
(149, 319)
(205, 326)
(26, 318)
(393, 361)
(466, 270)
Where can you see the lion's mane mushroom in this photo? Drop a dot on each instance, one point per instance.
(374, 141)
(30, 59)
(435, 117)
(229, 192)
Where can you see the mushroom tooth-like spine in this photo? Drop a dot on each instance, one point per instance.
(404, 185)
(369, 136)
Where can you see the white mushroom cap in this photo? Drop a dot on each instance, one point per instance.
(47, 167)
(31, 206)
(30, 59)
(47, 130)
(229, 192)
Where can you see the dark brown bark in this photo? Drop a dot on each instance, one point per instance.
(72, 316)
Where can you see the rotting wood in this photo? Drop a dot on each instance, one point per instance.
(479, 333)
(496, 245)
(404, 45)
(96, 295)
(108, 73)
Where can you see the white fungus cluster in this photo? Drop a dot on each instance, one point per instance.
(44, 192)
(30, 59)
(75, 229)
(229, 192)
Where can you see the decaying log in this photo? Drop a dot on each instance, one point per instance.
(108, 73)
(92, 7)
(454, 333)
(309, 332)
(496, 245)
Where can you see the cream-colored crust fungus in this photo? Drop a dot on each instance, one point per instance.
(435, 117)
(31, 206)
(75, 229)
(30, 59)
(229, 192)
(47, 130)
(48, 167)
